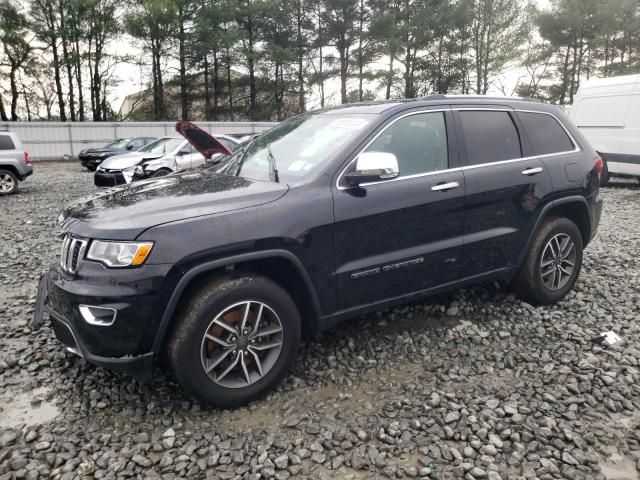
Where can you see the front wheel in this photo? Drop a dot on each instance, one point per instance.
(553, 263)
(8, 182)
(236, 338)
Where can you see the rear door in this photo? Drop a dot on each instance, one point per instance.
(403, 235)
(505, 187)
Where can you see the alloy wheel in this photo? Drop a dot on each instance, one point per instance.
(7, 183)
(241, 344)
(558, 261)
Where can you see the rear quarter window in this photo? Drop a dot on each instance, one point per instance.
(6, 143)
(545, 133)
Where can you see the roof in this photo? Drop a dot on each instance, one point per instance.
(385, 105)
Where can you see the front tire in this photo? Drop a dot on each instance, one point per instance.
(553, 263)
(8, 182)
(235, 339)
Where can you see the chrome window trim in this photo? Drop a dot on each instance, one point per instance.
(466, 167)
(408, 114)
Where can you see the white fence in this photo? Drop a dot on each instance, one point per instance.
(56, 140)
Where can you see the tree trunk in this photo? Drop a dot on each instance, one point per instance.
(184, 94)
(216, 84)
(3, 112)
(67, 61)
(252, 74)
(15, 94)
(360, 56)
(26, 104)
(56, 74)
(389, 77)
(207, 90)
(301, 99)
(229, 86)
(565, 76)
(344, 59)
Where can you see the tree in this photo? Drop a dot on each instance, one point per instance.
(341, 27)
(17, 50)
(152, 22)
(498, 31)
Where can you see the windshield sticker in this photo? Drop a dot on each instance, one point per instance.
(349, 123)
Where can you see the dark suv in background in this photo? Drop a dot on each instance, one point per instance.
(328, 215)
(91, 158)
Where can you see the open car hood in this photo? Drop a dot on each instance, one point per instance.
(202, 141)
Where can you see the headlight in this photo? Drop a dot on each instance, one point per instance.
(139, 170)
(119, 254)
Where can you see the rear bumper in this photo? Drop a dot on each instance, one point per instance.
(595, 202)
(25, 172)
(108, 179)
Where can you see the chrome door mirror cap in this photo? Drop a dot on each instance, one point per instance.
(373, 167)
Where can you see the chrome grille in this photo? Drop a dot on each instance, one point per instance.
(72, 252)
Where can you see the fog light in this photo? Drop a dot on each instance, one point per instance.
(100, 316)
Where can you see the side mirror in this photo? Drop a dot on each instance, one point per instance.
(184, 151)
(373, 167)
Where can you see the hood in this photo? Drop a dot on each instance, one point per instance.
(202, 141)
(123, 213)
(126, 160)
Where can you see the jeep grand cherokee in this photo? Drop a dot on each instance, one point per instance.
(328, 215)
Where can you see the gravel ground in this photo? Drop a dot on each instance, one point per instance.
(473, 385)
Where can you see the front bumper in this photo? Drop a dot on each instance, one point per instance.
(91, 161)
(138, 295)
(108, 179)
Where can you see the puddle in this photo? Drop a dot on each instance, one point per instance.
(618, 467)
(19, 410)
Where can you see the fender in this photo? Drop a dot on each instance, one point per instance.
(222, 262)
(543, 216)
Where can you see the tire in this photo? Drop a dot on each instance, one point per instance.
(160, 173)
(530, 284)
(224, 300)
(8, 182)
(92, 168)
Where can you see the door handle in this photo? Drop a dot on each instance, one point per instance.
(532, 171)
(441, 187)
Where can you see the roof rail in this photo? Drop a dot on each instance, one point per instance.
(491, 97)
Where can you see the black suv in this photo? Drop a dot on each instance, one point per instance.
(328, 215)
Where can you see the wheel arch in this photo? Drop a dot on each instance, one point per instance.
(11, 169)
(575, 208)
(280, 266)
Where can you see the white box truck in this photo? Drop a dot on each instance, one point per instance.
(607, 112)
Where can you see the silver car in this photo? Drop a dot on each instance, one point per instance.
(161, 157)
(14, 163)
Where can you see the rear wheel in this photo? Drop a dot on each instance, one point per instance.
(8, 182)
(160, 173)
(235, 339)
(553, 263)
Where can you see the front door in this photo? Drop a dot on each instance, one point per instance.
(403, 235)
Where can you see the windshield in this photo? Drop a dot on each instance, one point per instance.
(162, 145)
(298, 146)
(119, 143)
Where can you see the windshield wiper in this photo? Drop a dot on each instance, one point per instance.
(272, 164)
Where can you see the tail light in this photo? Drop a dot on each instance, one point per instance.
(26, 158)
(598, 164)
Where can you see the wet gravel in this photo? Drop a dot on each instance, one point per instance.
(473, 385)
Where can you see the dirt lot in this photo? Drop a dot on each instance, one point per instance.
(471, 385)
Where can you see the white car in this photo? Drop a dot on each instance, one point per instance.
(161, 157)
(607, 112)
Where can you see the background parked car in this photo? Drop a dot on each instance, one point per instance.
(607, 112)
(14, 163)
(161, 157)
(92, 157)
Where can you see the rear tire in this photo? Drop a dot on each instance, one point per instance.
(8, 182)
(219, 361)
(552, 264)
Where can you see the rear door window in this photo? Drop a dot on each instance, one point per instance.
(6, 143)
(490, 136)
(545, 133)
